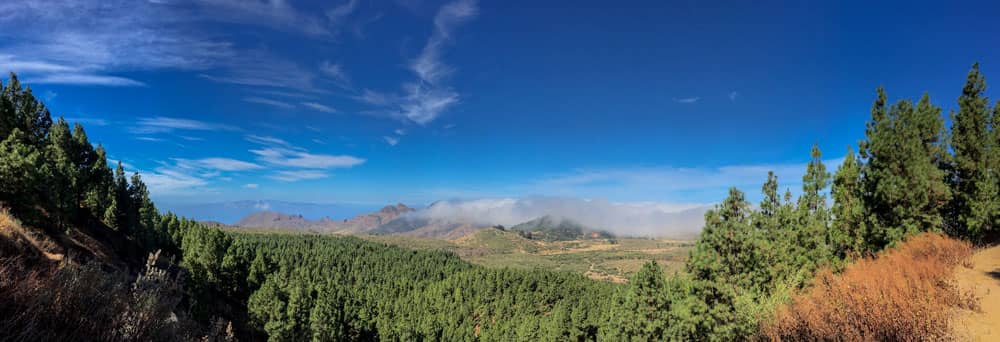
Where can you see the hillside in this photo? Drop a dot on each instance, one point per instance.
(368, 222)
(548, 228)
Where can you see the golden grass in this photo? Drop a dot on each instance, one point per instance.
(907, 293)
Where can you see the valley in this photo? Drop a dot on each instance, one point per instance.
(545, 243)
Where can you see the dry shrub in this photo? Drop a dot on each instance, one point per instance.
(85, 302)
(907, 293)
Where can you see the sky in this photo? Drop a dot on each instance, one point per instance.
(658, 103)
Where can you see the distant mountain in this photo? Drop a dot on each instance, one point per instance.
(359, 224)
(271, 219)
(368, 222)
(231, 212)
(550, 228)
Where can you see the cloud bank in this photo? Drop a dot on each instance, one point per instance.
(623, 219)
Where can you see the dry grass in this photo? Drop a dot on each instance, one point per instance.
(907, 293)
(49, 302)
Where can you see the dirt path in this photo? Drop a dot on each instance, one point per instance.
(984, 279)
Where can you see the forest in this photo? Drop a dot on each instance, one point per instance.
(917, 169)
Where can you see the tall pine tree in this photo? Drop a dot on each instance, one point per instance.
(905, 189)
(974, 208)
(849, 229)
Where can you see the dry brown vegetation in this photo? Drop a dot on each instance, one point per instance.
(907, 293)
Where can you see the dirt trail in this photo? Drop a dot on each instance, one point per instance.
(984, 279)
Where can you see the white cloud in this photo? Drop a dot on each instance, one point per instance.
(627, 218)
(335, 72)
(428, 64)
(82, 42)
(297, 175)
(392, 141)
(148, 139)
(163, 124)
(267, 140)
(251, 186)
(300, 159)
(399, 131)
(319, 107)
(220, 164)
(85, 79)
(338, 13)
(426, 98)
(687, 100)
(269, 102)
(165, 182)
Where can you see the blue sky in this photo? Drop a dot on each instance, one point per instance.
(413, 101)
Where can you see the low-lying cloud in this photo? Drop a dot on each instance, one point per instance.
(624, 219)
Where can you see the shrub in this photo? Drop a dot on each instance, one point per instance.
(905, 294)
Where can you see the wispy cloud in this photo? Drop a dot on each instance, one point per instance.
(260, 68)
(426, 98)
(319, 107)
(335, 73)
(251, 185)
(88, 121)
(392, 141)
(217, 163)
(297, 175)
(165, 181)
(152, 139)
(733, 95)
(338, 13)
(687, 100)
(164, 124)
(269, 102)
(267, 140)
(278, 15)
(86, 42)
(300, 159)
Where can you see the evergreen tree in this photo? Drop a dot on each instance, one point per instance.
(809, 242)
(20, 168)
(20, 109)
(122, 200)
(904, 183)
(646, 305)
(65, 177)
(974, 208)
(848, 231)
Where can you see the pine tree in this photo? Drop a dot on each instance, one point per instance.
(809, 242)
(848, 231)
(65, 177)
(122, 200)
(20, 164)
(904, 183)
(646, 305)
(974, 206)
(20, 109)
